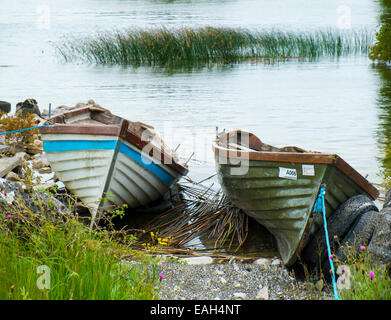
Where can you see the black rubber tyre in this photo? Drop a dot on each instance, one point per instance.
(5, 106)
(359, 234)
(387, 200)
(338, 224)
(380, 246)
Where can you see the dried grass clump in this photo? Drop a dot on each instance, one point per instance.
(203, 211)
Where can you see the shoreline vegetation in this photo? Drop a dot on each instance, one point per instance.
(212, 45)
(47, 252)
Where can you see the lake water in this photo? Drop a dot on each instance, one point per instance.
(329, 106)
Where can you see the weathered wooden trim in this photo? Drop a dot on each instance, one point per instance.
(111, 125)
(106, 130)
(160, 155)
(356, 177)
(311, 158)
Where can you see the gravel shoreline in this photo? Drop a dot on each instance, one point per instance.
(264, 279)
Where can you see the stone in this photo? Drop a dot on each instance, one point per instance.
(319, 285)
(40, 162)
(27, 106)
(197, 260)
(4, 148)
(25, 155)
(16, 147)
(263, 262)
(45, 170)
(49, 206)
(10, 163)
(240, 295)
(35, 156)
(5, 106)
(37, 163)
(46, 185)
(222, 280)
(38, 143)
(387, 199)
(55, 111)
(60, 185)
(33, 149)
(12, 176)
(263, 293)
(39, 120)
(276, 262)
(380, 245)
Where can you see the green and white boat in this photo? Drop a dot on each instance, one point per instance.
(278, 187)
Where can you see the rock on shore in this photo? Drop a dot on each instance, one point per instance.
(265, 280)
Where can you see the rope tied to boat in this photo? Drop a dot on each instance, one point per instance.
(321, 207)
(24, 129)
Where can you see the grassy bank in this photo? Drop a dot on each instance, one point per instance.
(42, 258)
(363, 278)
(204, 45)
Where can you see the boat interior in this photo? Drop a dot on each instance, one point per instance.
(247, 141)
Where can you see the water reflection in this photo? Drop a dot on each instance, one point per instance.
(173, 70)
(385, 16)
(384, 104)
(384, 131)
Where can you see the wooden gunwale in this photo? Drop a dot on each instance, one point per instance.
(296, 157)
(161, 155)
(104, 130)
(111, 126)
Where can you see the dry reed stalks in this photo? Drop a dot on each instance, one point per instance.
(202, 211)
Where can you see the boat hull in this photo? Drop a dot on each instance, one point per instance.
(104, 170)
(137, 179)
(81, 162)
(281, 195)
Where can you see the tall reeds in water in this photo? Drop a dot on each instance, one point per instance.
(203, 45)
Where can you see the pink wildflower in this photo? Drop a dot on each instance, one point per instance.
(371, 274)
(362, 247)
(9, 216)
(161, 277)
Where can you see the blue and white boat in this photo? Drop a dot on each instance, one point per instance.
(108, 161)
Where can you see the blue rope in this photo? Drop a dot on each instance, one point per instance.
(46, 125)
(320, 207)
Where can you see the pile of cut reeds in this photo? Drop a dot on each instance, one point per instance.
(202, 212)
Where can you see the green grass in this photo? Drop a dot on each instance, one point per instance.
(366, 279)
(205, 45)
(83, 264)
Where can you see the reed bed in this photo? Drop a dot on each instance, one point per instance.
(202, 212)
(205, 45)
